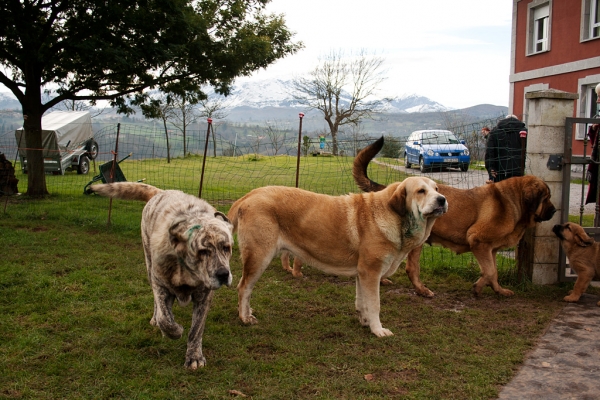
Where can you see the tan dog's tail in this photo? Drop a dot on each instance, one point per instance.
(125, 190)
(361, 162)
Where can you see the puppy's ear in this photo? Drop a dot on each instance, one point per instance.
(398, 200)
(177, 236)
(582, 239)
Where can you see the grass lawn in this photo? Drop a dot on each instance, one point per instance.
(75, 307)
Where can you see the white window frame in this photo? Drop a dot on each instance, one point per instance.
(539, 18)
(589, 12)
(586, 86)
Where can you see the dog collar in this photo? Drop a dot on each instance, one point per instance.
(192, 229)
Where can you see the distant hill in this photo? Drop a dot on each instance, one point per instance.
(270, 101)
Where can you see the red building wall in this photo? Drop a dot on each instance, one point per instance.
(565, 45)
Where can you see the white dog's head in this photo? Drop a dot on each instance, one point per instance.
(204, 247)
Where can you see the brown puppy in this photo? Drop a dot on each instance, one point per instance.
(366, 235)
(482, 220)
(584, 256)
(187, 244)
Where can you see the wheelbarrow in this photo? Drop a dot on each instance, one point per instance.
(106, 170)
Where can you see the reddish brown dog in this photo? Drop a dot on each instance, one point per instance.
(584, 256)
(482, 220)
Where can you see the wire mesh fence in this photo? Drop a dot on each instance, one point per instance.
(231, 168)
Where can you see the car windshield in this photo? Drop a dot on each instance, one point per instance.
(439, 138)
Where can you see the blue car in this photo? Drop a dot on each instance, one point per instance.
(436, 149)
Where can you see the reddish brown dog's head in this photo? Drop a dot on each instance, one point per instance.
(570, 233)
(536, 198)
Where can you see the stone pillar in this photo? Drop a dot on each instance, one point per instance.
(547, 110)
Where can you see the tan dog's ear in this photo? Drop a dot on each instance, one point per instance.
(177, 235)
(398, 200)
(582, 239)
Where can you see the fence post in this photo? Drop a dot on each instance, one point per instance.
(112, 171)
(538, 252)
(301, 115)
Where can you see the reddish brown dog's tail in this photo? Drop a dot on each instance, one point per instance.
(125, 190)
(361, 162)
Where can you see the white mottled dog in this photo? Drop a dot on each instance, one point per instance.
(187, 244)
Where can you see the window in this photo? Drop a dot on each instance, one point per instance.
(587, 106)
(590, 20)
(595, 19)
(538, 33)
(541, 19)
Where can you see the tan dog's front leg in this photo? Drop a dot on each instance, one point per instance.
(489, 272)
(367, 303)
(194, 358)
(413, 270)
(163, 313)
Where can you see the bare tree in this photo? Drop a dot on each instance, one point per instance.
(213, 107)
(276, 135)
(184, 114)
(257, 137)
(73, 105)
(343, 89)
(161, 108)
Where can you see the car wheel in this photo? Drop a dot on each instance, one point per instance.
(464, 167)
(84, 165)
(407, 165)
(92, 149)
(422, 165)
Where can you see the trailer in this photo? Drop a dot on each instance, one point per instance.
(68, 141)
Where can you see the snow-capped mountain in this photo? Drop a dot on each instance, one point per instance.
(278, 93)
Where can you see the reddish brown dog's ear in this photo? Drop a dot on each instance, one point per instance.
(398, 200)
(582, 239)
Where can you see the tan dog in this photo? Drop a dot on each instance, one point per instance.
(584, 256)
(366, 235)
(482, 220)
(187, 244)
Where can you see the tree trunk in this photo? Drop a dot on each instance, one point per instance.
(214, 139)
(167, 137)
(36, 177)
(334, 142)
(184, 143)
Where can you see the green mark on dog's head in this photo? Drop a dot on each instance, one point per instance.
(192, 229)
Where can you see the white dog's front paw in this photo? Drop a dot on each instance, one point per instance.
(194, 364)
(381, 332)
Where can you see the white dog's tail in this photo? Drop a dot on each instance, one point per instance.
(125, 190)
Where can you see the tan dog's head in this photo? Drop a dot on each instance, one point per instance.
(536, 196)
(572, 234)
(420, 197)
(203, 247)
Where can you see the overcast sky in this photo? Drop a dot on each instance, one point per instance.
(456, 52)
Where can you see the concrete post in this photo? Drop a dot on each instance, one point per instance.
(547, 110)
